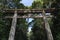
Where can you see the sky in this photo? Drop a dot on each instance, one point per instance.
(27, 2)
(29, 20)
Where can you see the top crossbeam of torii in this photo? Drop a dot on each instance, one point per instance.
(28, 10)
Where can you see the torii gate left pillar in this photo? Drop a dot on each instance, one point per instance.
(13, 27)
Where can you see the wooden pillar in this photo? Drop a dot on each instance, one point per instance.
(47, 27)
(13, 27)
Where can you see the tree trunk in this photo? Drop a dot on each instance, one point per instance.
(13, 26)
(47, 27)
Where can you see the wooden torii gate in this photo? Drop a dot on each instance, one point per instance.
(28, 11)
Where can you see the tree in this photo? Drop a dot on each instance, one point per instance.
(38, 31)
(21, 30)
(37, 4)
(4, 27)
(56, 20)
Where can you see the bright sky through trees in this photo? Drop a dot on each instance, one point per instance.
(27, 2)
(29, 20)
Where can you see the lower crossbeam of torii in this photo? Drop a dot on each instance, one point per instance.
(14, 21)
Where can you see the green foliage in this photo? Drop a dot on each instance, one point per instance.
(56, 20)
(18, 4)
(4, 29)
(37, 4)
(38, 31)
(21, 30)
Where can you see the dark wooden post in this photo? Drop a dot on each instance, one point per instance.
(13, 27)
(47, 27)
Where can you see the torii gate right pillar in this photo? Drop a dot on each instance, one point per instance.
(47, 27)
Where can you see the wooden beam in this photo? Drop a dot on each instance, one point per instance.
(28, 16)
(29, 10)
(13, 26)
(23, 11)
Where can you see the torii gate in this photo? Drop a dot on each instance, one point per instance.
(29, 11)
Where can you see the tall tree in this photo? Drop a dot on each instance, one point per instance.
(56, 19)
(38, 30)
(4, 27)
(21, 30)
